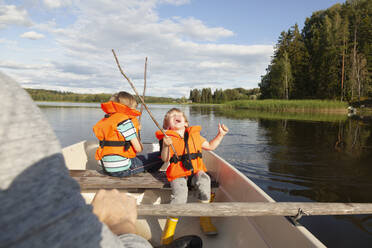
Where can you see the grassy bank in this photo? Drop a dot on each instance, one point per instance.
(272, 115)
(290, 105)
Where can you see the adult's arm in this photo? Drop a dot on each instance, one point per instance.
(41, 205)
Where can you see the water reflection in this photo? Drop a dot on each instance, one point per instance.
(321, 154)
(305, 157)
(202, 110)
(323, 162)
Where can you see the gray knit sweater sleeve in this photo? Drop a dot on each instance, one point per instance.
(40, 204)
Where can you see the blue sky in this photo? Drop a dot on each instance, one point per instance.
(66, 44)
(254, 22)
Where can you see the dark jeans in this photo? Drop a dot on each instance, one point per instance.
(149, 162)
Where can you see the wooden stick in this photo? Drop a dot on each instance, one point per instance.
(142, 101)
(144, 85)
(143, 95)
(221, 209)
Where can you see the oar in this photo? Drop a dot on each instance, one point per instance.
(142, 101)
(143, 95)
(221, 209)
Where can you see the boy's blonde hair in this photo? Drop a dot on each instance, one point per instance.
(124, 98)
(166, 117)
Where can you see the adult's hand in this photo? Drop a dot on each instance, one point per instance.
(117, 210)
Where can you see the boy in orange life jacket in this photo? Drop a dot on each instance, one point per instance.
(189, 165)
(117, 135)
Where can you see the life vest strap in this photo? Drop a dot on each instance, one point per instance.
(125, 144)
(187, 156)
(175, 159)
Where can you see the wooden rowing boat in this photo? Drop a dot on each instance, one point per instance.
(233, 187)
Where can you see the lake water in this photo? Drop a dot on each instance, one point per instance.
(292, 157)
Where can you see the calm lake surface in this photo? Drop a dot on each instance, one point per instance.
(292, 157)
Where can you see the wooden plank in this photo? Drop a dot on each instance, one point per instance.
(93, 180)
(86, 173)
(220, 209)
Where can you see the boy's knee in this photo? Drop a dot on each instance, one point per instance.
(202, 178)
(203, 183)
(179, 191)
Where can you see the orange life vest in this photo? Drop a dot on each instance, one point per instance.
(179, 167)
(111, 140)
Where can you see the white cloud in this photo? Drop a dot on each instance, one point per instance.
(32, 35)
(21, 66)
(13, 15)
(176, 2)
(183, 52)
(8, 42)
(53, 4)
(222, 65)
(195, 29)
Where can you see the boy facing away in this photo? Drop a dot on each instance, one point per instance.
(118, 139)
(187, 165)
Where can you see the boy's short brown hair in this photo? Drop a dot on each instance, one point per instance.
(166, 117)
(124, 98)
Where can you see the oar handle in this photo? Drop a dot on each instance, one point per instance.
(142, 101)
(221, 209)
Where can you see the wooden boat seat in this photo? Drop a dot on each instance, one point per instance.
(93, 180)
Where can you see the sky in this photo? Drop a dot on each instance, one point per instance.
(222, 44)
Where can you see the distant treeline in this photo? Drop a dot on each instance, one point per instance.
(205, 95)
(330, 59)
(60, 96)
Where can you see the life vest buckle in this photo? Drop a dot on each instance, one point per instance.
(186, 160)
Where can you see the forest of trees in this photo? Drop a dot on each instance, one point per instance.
(331, 58)
(59, 96)
(205, 95)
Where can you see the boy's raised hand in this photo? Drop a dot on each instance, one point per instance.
(222, 129)
(214, 143)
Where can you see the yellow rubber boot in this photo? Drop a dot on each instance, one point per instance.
(169, 229)
(207, 227)
(206, 224)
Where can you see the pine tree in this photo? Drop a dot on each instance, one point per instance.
(286, 74)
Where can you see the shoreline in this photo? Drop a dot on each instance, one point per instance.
(284, 106)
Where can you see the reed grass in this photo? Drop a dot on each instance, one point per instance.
(290, 105)
(275, 115)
